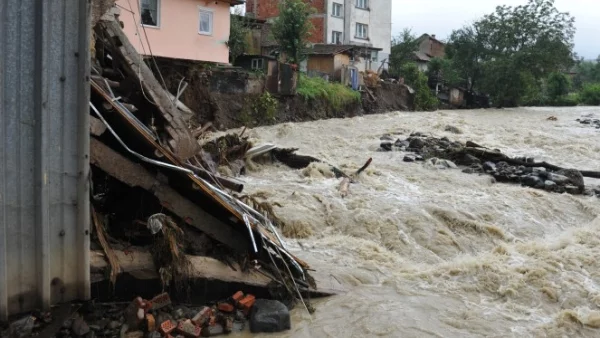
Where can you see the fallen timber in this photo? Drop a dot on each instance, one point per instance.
(143, 141)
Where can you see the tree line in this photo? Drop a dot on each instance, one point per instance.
(519, 55)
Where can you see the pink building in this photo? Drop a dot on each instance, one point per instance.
(180, 29)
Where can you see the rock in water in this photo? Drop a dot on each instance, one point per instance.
(408, 158)
(550, 185)
(489, 166)
(440, 163)
(531, 181)
(269, 316)
(453, 129)
(575, 178)
(469, 159)
(386, 146)
(417, 143)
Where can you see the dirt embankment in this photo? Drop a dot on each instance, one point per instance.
(227, 111)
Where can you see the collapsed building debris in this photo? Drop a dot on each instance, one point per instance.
(163, 211)
(444, 153)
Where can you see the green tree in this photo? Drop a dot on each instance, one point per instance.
(417, 80)
(510, 51)
(402, 52)
(291, 29)
(587, 72)
(443, 69)
(238, 34)
(557, 85)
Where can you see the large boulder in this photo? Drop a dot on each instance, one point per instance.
(269, 316)
(575, 178)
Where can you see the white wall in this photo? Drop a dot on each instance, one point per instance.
(379, 19)
(380, 30)
(334, 23)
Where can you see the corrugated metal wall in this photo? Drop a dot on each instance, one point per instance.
(44, 144)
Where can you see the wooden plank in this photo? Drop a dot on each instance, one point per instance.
(136, 261)
(174, 160)
(139, 264)
(135, 175)
(185, 145)
(97, 128)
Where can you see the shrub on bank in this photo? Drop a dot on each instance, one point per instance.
(590, 94)
(570, 100)
(336, 94)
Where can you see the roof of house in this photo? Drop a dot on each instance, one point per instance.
(420, 56)
(425, 36)
(234, 2)
(333, 49)
(327, 49)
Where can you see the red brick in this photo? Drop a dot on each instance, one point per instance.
(188, 329)
(203, 316)
(237, 296)
(270, 8)
(247, 303)
(167, 327)
(225, 307)
(150, 322)
(161, 301)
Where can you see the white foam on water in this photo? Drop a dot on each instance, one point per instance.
(439, 253)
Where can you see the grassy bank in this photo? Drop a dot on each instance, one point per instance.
(336, 94)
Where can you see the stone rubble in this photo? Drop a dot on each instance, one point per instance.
(440, 153)
(161, 318)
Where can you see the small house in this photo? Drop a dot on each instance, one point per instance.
(257, 63)
(429, 48)
(329, 60)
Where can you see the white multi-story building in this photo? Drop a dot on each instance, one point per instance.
(366, 24)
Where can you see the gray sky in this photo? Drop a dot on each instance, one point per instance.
(440, 17)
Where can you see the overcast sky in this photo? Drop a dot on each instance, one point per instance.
(440, 17)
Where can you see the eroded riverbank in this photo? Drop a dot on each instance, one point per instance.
(430, 252)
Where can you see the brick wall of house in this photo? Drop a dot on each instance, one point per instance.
(317, 34)
(266, 9)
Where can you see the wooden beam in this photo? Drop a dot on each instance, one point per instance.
(135, 175)
(139, 263)
(185, 145)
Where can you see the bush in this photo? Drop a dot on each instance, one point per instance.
(259, 109)
(424, 98)
(570, 100)
(336, 94)
(590, 94)
(558, 86)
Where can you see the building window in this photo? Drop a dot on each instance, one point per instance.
(362, 31)
(362, 4)
(150, 12)
(206, 22)
(374, 55)
(337, 10)
(257, 64)
(336, 37)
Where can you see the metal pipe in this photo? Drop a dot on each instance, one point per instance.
(141, 157)
(245, 216)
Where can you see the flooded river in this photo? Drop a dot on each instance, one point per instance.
(438, 253)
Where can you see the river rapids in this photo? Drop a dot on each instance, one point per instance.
(425, 252)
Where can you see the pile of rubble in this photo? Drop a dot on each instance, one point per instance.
(442, 153)
(158, 317)
(590, 121)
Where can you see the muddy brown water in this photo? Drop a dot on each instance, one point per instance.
(439, 253)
